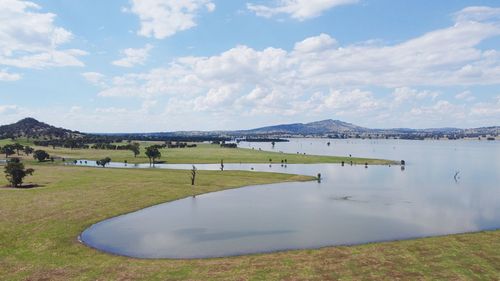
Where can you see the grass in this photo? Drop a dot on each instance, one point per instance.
(38, 230)
(202, 154)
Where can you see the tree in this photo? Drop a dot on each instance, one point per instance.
(28, 150)
(41, 155)
(135, 148)
(15, 172)
(18, 147)
(193, 174)
(152, 153)
(8, 150)
(104, 162)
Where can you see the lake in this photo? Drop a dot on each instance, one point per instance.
(446, 187)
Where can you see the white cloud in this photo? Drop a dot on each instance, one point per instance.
(8, 109)
(215, 98)
(491, 110)
(321, 76)
(315, 44)
(30, 39)
(297, 9)
(147, 105)
(405, 94)
(132, 57)
(346, 102)
(6, 76)
(466, 96)
(478, 13)
(441, 109)
(164, 18)
(111, 110)
(95, 78)
(75, 109)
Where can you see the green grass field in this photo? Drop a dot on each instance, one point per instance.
(39, 229)
(203, 154)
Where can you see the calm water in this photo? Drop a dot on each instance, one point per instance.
(351, 205)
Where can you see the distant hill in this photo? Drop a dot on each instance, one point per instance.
(32, 128)
(314, 128)
(327, 128)
(337, 127)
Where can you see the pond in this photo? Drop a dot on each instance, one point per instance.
(446, 187)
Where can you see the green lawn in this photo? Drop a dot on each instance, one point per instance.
(38, 230)
(204, 153)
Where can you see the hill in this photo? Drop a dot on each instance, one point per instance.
(329, 127)
(32, 128)
(313, 128)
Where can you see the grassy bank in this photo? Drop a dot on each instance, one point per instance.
(38, 230)
(203, 153)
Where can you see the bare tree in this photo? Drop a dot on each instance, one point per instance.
(193, 174)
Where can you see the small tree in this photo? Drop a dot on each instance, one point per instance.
(41, 155)
(152, 153)
(104, 162)
(18, 147)
(135, 148)
(28, 150)
(15, 172)
(8, 150)
(193, 174)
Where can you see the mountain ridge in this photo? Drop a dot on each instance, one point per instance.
(32, 128)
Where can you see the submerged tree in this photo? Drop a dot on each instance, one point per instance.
(104, 162)
(152, 153)
(193, 174)
(15, 172)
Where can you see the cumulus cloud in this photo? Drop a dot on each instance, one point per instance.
(95, 78)
(319, 75)
(297, 9)
(315, 44)
(163, 18)
(6, 76)
(405, 94)
(132, 57)
(30, 39)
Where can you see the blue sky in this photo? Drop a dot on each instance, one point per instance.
(164, 65)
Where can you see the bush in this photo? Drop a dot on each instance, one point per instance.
(41, 155)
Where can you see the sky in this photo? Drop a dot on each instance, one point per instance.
(168, 65)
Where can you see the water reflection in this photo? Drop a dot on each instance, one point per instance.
(351, 205)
